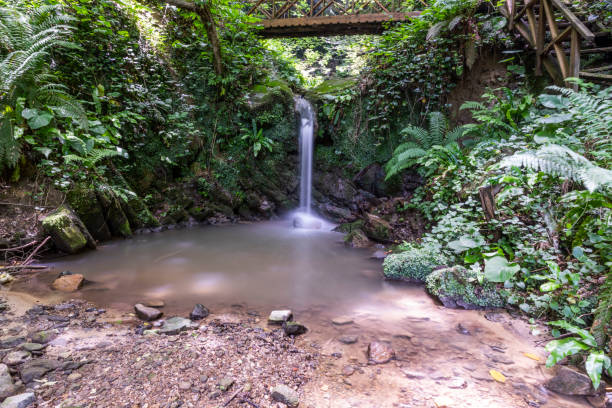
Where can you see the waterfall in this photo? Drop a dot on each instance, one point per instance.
(307, 117)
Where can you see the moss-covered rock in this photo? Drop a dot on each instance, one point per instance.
(84, 202)
(357, 239)
(138, 213)
(67, 231)
(262, 96)
(413, 265)
(458, 287)
(377, 228)
(116, 219)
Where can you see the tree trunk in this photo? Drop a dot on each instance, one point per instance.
(211, 29)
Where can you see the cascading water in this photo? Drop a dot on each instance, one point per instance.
(307, 116)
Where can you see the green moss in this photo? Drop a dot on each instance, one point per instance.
(415, 264)
(459, 287)
(65, 232)
(377, 228)
(350, 227)
(333, 86)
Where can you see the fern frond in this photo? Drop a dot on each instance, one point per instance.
(437, 128)
(416, 134)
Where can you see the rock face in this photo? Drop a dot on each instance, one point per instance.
(377, 228)
(458, 287)
(114, 215)
(67, 231)
(7, 388)
(147, 313)
(68, 283)
(570, 382)
(199, 312)
(413, 265)
(175, 325)
(11, 341)
(285, 395)
(294, 328)
(380, 353)
(280, 316)
(19, 401)
(85, 204)
(372, 180)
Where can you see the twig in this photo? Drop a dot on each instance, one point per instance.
(232, 397)
(248, 401)
(18, 248)
(29, 258)
(21, 267)
(24, 205)
(555, 338)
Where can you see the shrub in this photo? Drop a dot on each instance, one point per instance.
(414, 264)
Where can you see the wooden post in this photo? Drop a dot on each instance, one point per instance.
(487, 200)
(540, 40)
(511, 5)
(575, 57)
(554, 31)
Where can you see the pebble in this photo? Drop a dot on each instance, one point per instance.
(457, 383)
(226, 383)
(286, 395)
(199, 312)
(342, 321)
(184, 386)
(147, 313)
(348, 370)
(380, 353)
(413, 374)
(33, 347)
(280, 316)
(348, 339)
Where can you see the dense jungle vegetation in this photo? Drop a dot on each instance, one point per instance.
(121, 99)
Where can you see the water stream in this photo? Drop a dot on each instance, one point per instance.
(307, 118)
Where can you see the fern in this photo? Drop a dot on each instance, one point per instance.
(93, 157)
(563, 162)
(437, 139)
(602, 323)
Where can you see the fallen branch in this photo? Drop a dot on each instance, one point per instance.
(25, 205)
(248, 401)
(19, 247)
(17, 268)
(232, 397)
(29, 258)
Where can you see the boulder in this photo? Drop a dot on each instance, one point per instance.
(68, 283)
(11, 341)
(414, 264)
(19, 401)
(357, 239)
(372, 180)
(83, 200)
(36, 369)
(175, 325)
(380, 353)
(335, 187)
(336, 214)
(67, 231)
(458, 287)
(16, 357)
(116, 219)
(147, 313)
(294, 328)
(7, 387)
(376, 228)
(280, 316)
(571, 382)
(199, 312)
(285, 395)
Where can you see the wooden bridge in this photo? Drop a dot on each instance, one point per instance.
(305, 18)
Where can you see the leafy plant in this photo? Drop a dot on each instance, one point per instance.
(258, 140)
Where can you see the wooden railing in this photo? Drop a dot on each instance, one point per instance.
(274, 9)
(547, 25)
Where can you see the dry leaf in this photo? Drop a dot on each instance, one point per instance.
(497, 376)
(532, 356)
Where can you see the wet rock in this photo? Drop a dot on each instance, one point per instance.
(376, 228)
(280, 316)
(156, 303)
(226, 383)
(16, 357)
(380, 353)
(357, 239)
(570, 382)
(85, 204)
(285, 395)
(458, 287)
(342, 321)
(11, 341)
(67, 231)
(294, 328)
(114, 215)
(348, 339)
(175, 325)
(199, 312)
(7, 388)
(36, 369)
(372, 180)
(68, 283)
(147, 313)
(413, 374)
(19, 401)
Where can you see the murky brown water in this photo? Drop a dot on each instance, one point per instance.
(266, 266)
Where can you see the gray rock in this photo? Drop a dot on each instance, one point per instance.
(342, 321)
(280, 316)
(457, 383)
(19, 401)
(11, 341)
(43, 337)
(16, 357)
(184, 386)
(285, 395)
(73, 377)
(7, 388)
(147, 313)
(33, 347)
(225, 383)
(175, 325)
(294, 328)
(413, 374)
(36, 369)
(156, 303)
(348, 339)
(199, 312)
(570, 382)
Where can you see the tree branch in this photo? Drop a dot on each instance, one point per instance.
(206, 16)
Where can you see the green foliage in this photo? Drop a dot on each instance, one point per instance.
(439, 140)
(414, 263)
(257, 140)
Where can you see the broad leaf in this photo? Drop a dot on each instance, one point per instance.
(549, 286)
(596, 362)
(587, 337)
(559, 349)
(39, 120)
(498, 269)
(464, 243)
